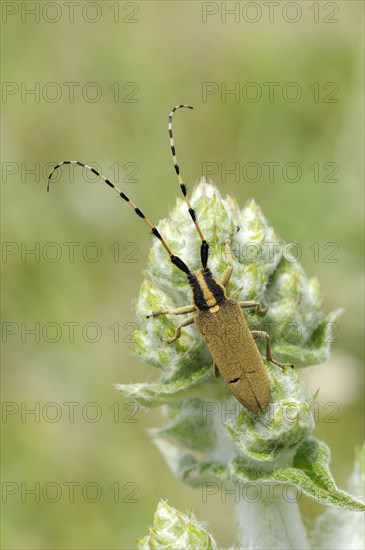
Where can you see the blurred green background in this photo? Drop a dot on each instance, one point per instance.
(155, 55)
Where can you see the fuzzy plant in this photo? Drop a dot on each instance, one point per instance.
(209, 439)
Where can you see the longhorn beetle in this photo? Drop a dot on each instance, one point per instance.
(219, 319)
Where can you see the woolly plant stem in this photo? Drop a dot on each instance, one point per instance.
(270, 520)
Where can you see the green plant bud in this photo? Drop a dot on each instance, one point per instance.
(174, 530)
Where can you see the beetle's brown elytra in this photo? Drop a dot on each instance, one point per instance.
(219, 319)
(242, 368)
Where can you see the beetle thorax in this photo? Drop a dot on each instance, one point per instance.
(207, 291)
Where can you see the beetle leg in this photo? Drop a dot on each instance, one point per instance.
(177, 311)
(228, 252)
(269, 357)
(228, 248)
(216, 372)
(259, 308)
(226, 275)
(187, 322)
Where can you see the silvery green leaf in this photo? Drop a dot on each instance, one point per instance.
(188, 426)
(310, 474)
(155, 395)
(338, 529)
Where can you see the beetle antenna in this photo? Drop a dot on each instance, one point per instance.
(204, 246)
(175, 259)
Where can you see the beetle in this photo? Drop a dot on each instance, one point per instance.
(219, 319)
